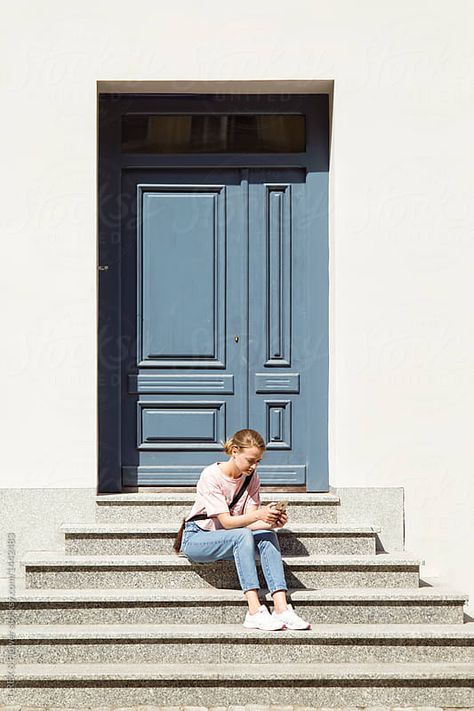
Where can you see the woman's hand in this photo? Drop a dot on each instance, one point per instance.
(282, 520)
(268, 513)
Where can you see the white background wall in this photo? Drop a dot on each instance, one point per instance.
(402, 229)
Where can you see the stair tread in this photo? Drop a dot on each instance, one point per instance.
(169, 498)
(169, 528)
(59, 558)
(188, 595)
(244, 672)
(237, 631)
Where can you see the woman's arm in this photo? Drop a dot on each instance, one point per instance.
(261, 525)
(266, 514)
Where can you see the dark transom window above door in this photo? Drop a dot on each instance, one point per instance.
(213, 133)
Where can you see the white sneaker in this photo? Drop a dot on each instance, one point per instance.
(291, 620)
(262, 620)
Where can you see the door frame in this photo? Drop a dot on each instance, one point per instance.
(112, 162)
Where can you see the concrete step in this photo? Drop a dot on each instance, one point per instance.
(214, 644)
(423, 605)
(56, 570)
(157, 539)
(416, 684)
(171, 508)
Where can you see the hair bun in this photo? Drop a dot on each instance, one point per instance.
(244, 439)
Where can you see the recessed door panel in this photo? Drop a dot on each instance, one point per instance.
(182, 233)
(176, 425)
(274, 227)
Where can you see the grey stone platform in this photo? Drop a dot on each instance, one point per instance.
(171, 508)
(381, 634)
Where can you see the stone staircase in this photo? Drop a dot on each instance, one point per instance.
(117, 619)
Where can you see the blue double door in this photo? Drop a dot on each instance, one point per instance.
(223, 279)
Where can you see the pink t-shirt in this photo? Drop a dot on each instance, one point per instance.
(214, 493)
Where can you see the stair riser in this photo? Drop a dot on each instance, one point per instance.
(248, 652)
(225, 693)
(319, 612)
(174, 514)
(162, 544)
(219, 576)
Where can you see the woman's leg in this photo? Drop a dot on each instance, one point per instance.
(253, 601)
(237, 544)
(272, 565)
(226, 544)
(280, 602)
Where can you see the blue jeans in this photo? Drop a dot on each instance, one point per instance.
(241, 545)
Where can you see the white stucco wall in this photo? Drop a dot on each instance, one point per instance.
(402, 229)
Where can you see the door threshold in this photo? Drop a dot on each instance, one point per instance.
(192, 489)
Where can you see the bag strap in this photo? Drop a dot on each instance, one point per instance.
(202, 517)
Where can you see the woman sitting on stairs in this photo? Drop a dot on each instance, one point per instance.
(231, 529)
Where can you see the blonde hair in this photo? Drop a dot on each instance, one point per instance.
(244, 439)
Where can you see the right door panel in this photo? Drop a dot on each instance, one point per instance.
(286, 371)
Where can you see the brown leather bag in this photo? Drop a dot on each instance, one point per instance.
(201, 517)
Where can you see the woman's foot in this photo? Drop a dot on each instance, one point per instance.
(262, 620)
(291, 620)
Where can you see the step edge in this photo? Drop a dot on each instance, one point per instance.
(59, 559)
(168, 498)
(222, 672)
(164, 528)
(222, 596)
(236, 633)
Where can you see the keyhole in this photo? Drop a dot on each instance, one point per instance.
(236, 339)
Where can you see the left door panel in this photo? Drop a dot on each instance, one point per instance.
(184, 271)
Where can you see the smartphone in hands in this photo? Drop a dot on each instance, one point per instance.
(280, 506)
